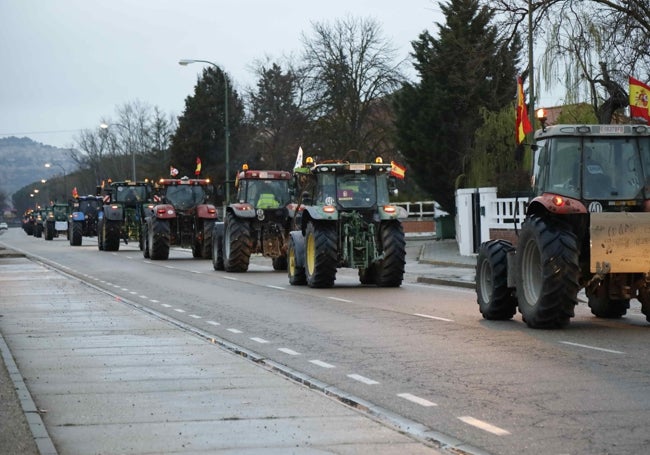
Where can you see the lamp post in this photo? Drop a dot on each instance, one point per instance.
(185, 62)
(65, 178)
(106, 126)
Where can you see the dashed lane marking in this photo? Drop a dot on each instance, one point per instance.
(595, 348)
(276, 287)
(322, 364)
(437, 318)
(365, 380)
(259, 340)
(234, 330)
(485, 426)
(179, 310)
(288, 351)
(166, 305)
(340, 300)
(417, 400)
(195, 316)
(212, 322)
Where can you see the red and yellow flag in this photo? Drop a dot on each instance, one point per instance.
(75, 193)
(396, 170)
(522, 123)
(197, 171)
(639, 100)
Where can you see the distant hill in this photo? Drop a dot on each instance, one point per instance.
(22, 161)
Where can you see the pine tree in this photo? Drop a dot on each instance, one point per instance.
(467, 68)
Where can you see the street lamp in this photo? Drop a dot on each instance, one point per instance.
(105, 126)
(65, 178)
(185, 62)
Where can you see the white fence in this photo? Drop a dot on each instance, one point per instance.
(505, 213)
(420, 210)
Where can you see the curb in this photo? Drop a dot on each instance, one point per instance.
(444, 282)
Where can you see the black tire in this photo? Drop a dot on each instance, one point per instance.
(141, 236)
(644, 298)
(604, 307)
(48, 230)
(77, 233)
(496, 301)
(320, 254)
(38, 231)
(159, 239)
(144, 235)
(280, 263)
(367, 276)
(100, 235)
(205, 246)
(389, 271)
(217, 253)
(296, 273)
(111, 235)
(237, 245)
(547, 273)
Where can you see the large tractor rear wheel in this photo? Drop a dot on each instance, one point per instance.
(604, 307)
(144, 235)
(548, 271)
(296, 272)
(159, 239)
(320, 254)
(389, 271)
(100, 235)
(77, 233)
(217, 253)
(49, 230)
(237, 244)
(496, 300)
(206, 244)
(111, 235)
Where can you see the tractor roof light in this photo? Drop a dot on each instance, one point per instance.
(542, 117)
(378, 160)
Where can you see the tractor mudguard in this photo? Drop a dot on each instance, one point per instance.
(242, 210)
(164, 211)
(392, 212)
(77, 216)
(113, 212)
(299, 243)
(548, 203)
(316, 212)
(208, 211)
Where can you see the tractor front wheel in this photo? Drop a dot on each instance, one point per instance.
(496, 301)
(389, 271)
(604, 307)
(77, 233)
(159, 239)
(237, 244)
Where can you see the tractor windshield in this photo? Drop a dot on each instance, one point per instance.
(264, 194)
(185, 197)
(130, 195)
(351, 190)
(88, 205)
(593, 167)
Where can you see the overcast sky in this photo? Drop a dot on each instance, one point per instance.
(66, 64)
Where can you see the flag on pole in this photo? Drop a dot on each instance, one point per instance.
(197, 171)
(75, 193)
(173, 171)
(298, 159)
(522, 123)
(396, 170)
(639, 99)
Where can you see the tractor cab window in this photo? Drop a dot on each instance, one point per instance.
(563, 167)
(131, 195)
(264, 194)
(185, 197)
(356, 190)
(611, 168)
(88, 205)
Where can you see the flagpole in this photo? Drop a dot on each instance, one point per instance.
(531, 77)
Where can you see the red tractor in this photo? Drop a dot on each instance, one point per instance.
(180, 217)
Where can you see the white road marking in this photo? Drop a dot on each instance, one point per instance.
(320, 363)
(358, 377)
(212, 323)
(592, 347)
(133, 292)
(225, 277)
(276, 287)
(154, 301)
(437, 318)
(340, 300)
(288, 351)
(195, 316)
(234, 330)
(259, 340)
(142, 296)
(166, 305)
(195, 271)
(179, 310)
(416, 399)
(484, 426)
(124, 289)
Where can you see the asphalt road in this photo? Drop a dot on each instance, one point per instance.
(420, 351)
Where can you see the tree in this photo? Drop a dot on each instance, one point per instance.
(349, 68)
(277, 118)
(467, 69)
(201, 128)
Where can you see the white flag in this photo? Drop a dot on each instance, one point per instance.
(298, 159)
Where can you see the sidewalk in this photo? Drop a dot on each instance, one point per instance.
(95, 375)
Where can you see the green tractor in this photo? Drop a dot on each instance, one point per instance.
(344, 219)
(56, 220)
(126, 205)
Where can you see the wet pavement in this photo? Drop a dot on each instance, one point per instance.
(110, 378)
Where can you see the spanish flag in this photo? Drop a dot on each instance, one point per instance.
(396, 170)
(522, 124)
(639, 98)
(197, 171)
